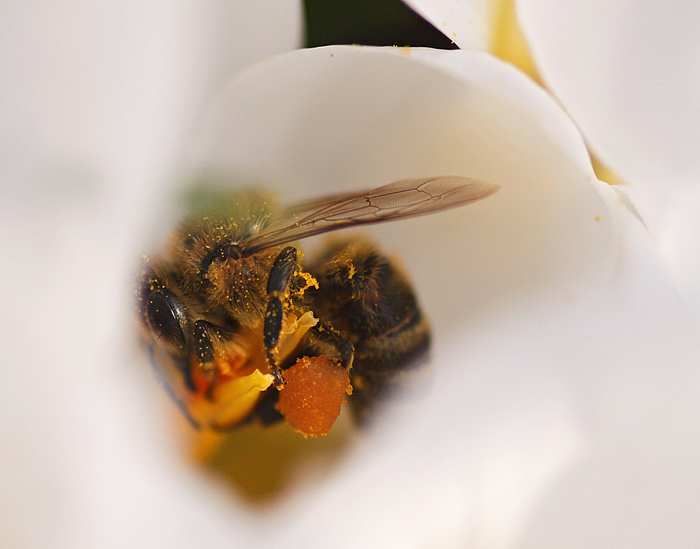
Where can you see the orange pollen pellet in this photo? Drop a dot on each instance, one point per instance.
(314, 390)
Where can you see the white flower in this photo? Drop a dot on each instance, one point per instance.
(562, 370)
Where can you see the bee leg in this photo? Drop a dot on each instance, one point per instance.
(366, 296)
(273, 325)
(283, 268)
(204, 348)
(323, 335)
(203, 344)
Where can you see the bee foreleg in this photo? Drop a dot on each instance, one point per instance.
(202, 342)
(280, 274)
(271, 334)
(203, 346)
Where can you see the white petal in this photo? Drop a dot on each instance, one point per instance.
(678, 240)
(110, 89)
(630, 77)
(468, 23)
(95, 101)
(524, 289)
(336, 118)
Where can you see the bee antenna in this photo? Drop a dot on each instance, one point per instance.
(222, 252)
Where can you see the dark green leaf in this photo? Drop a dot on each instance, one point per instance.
(370, 23)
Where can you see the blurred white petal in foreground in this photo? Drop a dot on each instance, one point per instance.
(95, 102)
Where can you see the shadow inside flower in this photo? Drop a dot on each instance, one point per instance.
(262, 464)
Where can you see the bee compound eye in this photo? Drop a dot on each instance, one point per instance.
(166, 317)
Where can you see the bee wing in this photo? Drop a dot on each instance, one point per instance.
(398, 200)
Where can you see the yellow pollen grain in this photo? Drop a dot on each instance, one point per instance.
(309, 281)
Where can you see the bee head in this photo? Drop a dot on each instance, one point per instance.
(222, 252)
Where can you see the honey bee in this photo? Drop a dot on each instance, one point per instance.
(231, 305)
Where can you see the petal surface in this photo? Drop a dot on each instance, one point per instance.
(530, 292)
(95, 101)
(630, 78)
(342, 118)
